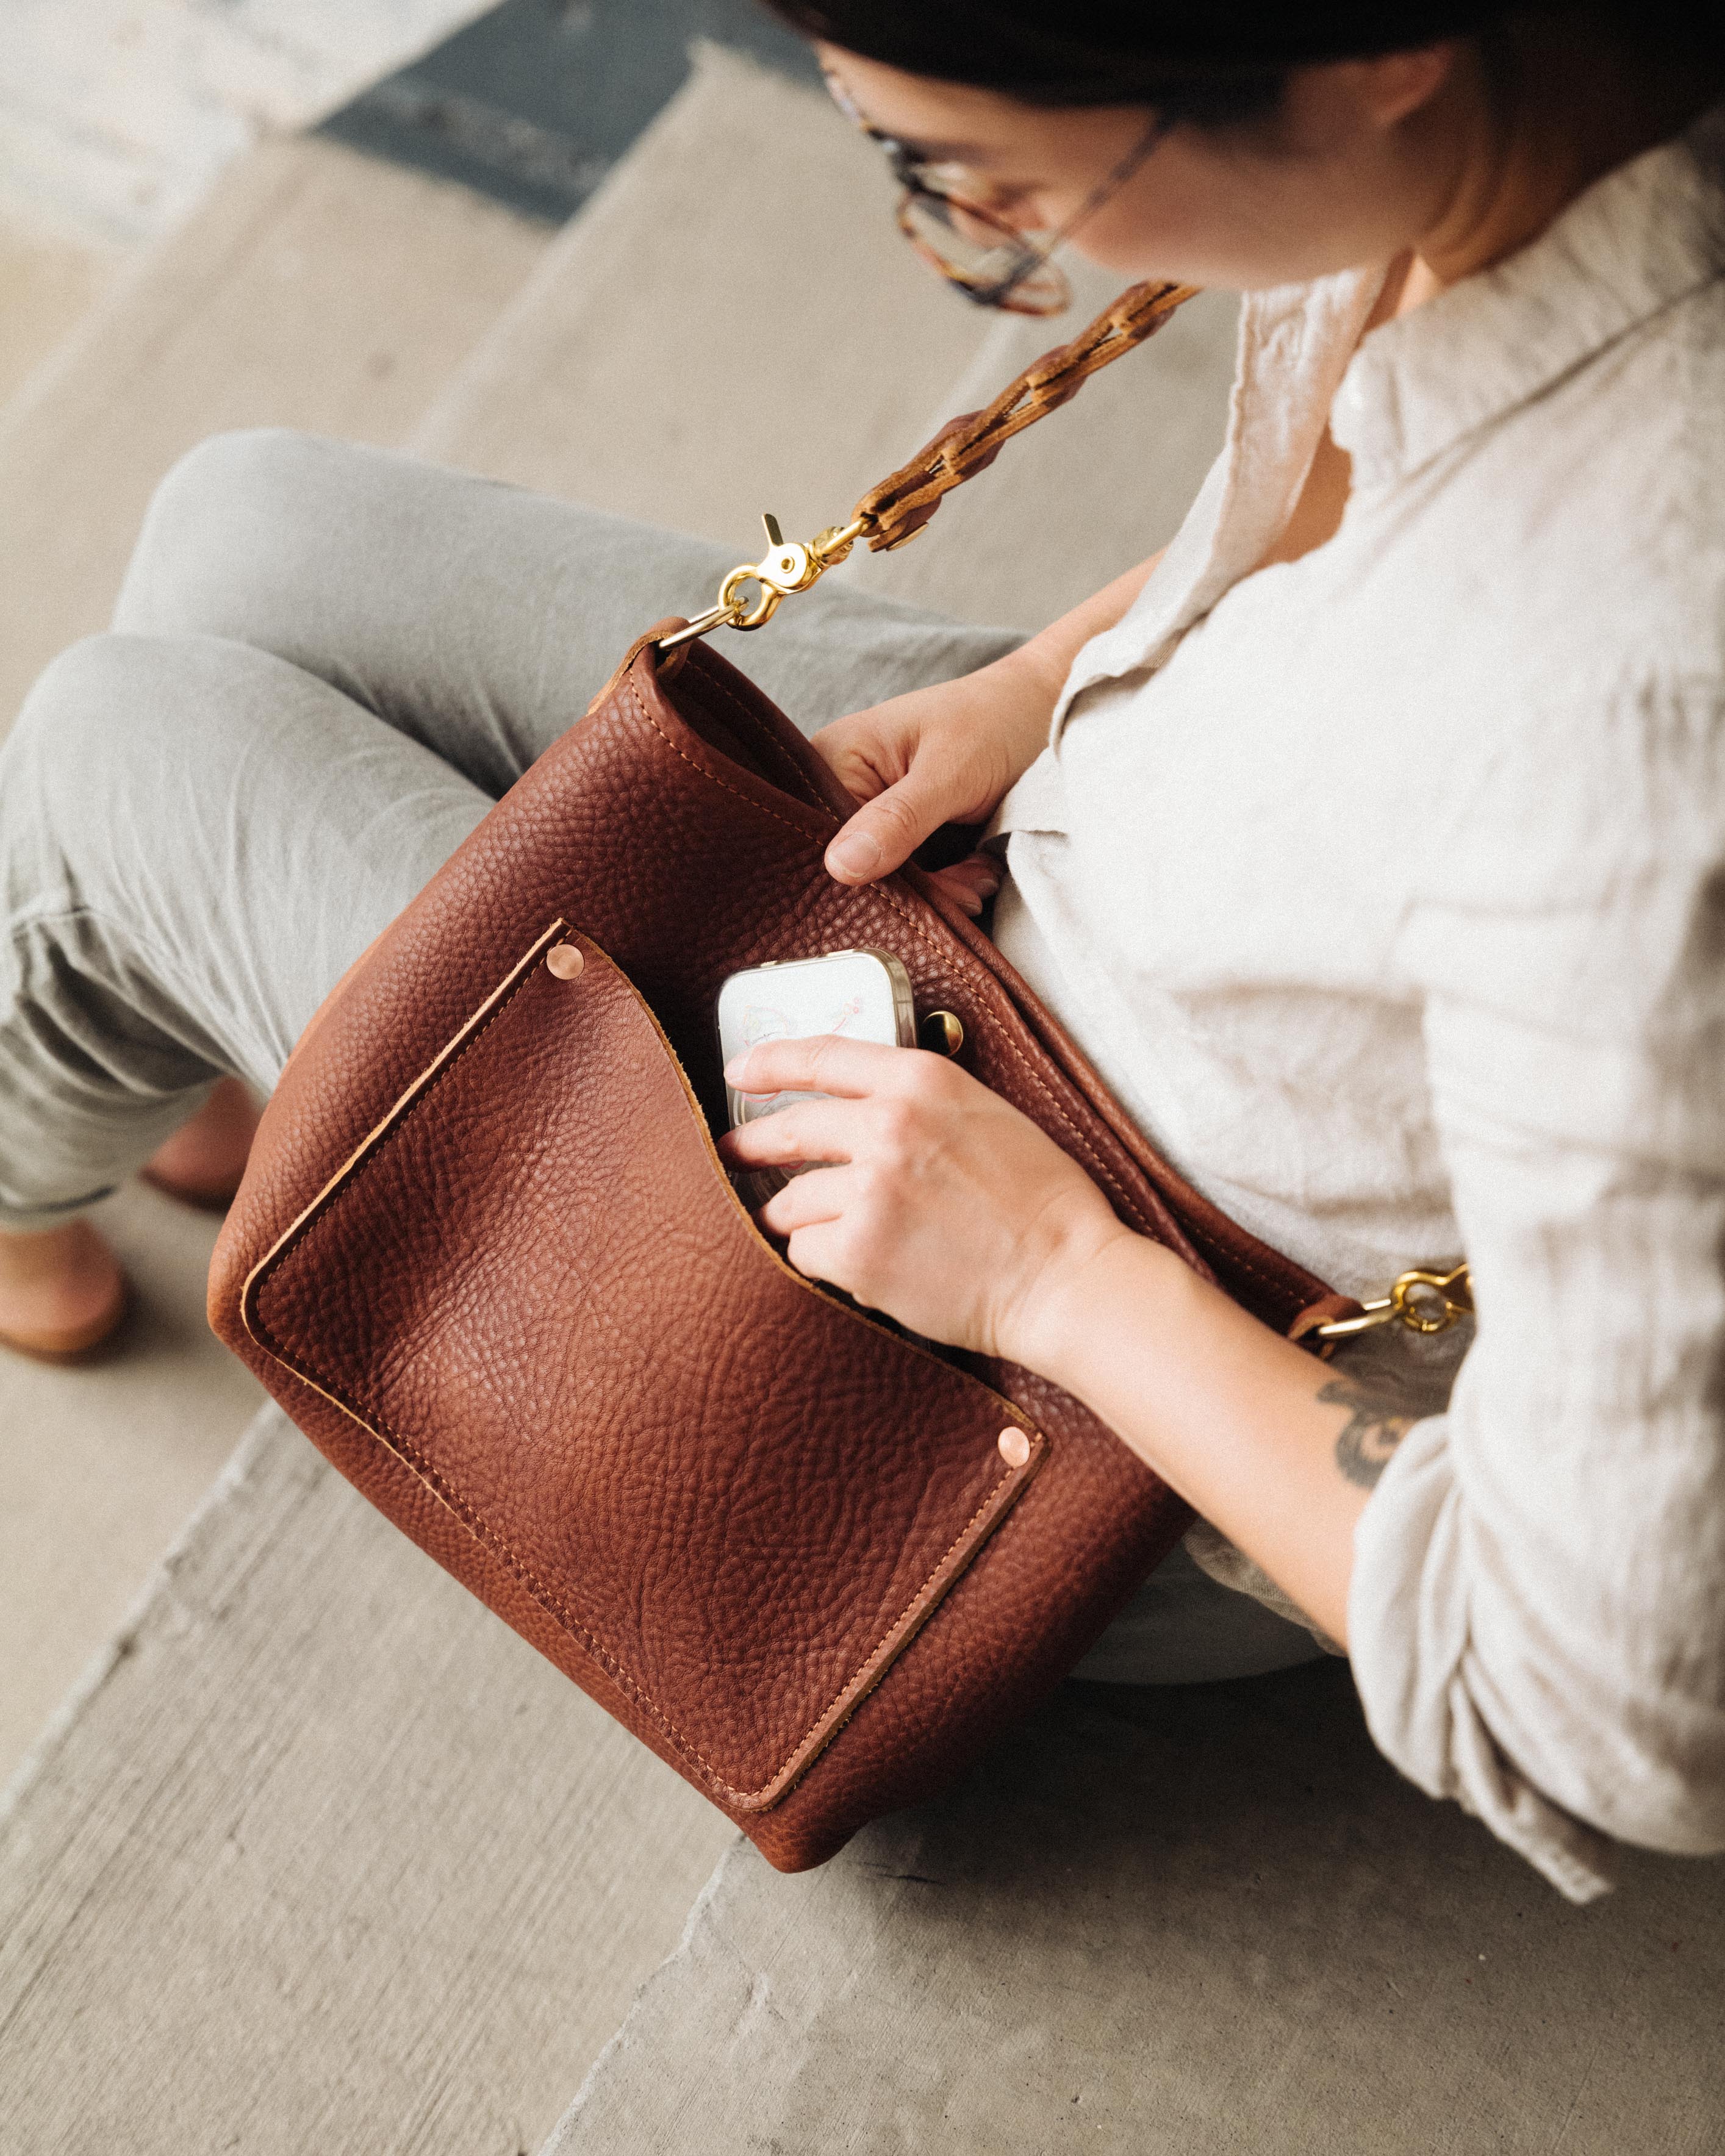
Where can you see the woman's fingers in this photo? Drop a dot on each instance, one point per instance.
(809, 1200)
(913, 765)
(972, 881)
(923, 1194)
(818, 1253)
(945, 754)
(885, 832)
(866, 750)
(812, 1130)
(824, 1063)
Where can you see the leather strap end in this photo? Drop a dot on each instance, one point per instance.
(1326, 1312)
(668, 667)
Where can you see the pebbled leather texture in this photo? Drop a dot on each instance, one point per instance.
(485, 1255)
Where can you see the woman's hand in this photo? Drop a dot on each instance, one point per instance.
(949, 754)
(940, 1205)
(936, 1202)
(943, 755)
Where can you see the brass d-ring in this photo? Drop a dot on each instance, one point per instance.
(1410, 1302)
(731, 598)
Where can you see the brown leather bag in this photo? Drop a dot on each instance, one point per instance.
(487, 1258)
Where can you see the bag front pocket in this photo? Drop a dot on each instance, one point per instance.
(534, 1284)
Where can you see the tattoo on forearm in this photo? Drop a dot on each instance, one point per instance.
(1376, 1424)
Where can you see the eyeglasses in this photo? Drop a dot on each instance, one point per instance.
(989, 259)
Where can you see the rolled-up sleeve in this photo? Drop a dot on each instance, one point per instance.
(1536, 1617)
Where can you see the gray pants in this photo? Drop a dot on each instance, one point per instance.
(325, 665)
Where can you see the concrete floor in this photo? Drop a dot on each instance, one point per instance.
(321, 290)
(101, 1467)
(115, 115)
(48, 282)
(534, 102)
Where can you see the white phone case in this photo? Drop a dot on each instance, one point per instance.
(864, 995)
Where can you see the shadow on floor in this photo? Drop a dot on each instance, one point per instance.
(1194, 1921)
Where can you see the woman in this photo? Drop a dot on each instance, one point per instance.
(1372, 841)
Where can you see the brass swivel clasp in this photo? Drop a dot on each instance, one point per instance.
(787, 566)
(1423, 1301)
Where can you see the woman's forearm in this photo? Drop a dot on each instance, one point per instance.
(1050, 653)
(936, 1201)
(1275, 1448)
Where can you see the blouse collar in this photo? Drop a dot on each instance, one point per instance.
(1635, 242)
(1638, 240)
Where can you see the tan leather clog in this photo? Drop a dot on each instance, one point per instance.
(88, 1342)
(216, 1201)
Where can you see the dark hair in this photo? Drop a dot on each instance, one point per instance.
(1211, 61)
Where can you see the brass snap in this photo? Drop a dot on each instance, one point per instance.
(1014, 1447)
(941, 1032)
(564, 962)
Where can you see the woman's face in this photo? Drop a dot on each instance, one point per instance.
(1358, 165)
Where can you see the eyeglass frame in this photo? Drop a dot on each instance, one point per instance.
(911, 172)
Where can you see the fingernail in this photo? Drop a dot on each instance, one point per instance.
(855, 853)
(988, 887)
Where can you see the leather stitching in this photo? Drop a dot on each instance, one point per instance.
(764, 733)
(482, 1533)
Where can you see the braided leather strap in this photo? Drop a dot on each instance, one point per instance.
(899, 507)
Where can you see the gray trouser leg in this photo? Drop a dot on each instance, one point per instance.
(327, 663)
(479, 618)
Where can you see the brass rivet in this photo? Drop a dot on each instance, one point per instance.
(1014, 1447)
(942, 1033)
(564, 962)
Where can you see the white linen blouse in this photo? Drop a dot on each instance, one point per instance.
(1387, 888)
